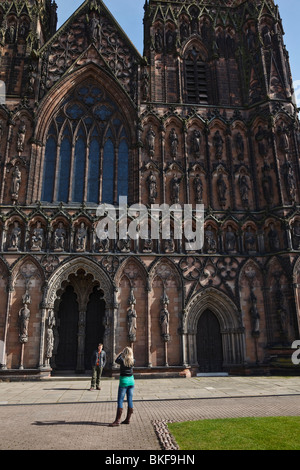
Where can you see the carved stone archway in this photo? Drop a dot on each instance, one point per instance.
(84, 275)
(232, 331)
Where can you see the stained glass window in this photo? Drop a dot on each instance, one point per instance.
(86, 150)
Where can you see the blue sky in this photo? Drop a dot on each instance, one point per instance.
(129, 14)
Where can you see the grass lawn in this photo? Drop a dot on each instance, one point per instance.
(275, 433)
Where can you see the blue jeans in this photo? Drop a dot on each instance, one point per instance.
(121, 395)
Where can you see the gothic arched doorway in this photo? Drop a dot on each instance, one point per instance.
(67, 316)
(81, 295)
(209, 343)
(94, 329)
(213, 332)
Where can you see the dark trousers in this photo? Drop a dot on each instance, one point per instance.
(96, 376)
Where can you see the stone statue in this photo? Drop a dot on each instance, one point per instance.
(15, 237)
(218, 144)
(51, 322)
(59, 237)
(94, 28)
(148, 245)
(267, 185)
(174, 143)
(152, 187)
(169, 245)
(24, 316)
(250, 240)
(230, 240)
(81, 238)
(16, 182)
(274, 243)
(37, 237)
(175, 189)
(145, 85)
(196, 143)
(125, 244)
(260, 137)
(221, 188)
(254, 314)
(198, 188)
(151, 141)
(165, 320)
(266, 35)
(210, 240)
(290, 182)
(131, 321)
(21, 137)
(284, 143)
(158, 41)
(244, 189)
(239, 145)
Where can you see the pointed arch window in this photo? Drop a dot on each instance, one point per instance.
(195, 77)
(87, 150)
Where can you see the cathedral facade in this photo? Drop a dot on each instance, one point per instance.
(206, 115)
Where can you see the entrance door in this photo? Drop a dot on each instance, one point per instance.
(209, 343)
(68, 315)
(94, 330)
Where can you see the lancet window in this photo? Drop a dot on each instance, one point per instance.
(195, 77)
(87, 150)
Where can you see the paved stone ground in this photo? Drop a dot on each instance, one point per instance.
(65, 415)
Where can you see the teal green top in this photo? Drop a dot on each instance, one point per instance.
(126, 381)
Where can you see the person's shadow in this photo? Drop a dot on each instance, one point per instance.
(62, 423)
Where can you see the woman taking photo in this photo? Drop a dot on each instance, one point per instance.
(126, 385)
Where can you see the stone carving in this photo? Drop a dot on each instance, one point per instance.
(24, 316)
(165, 319)
(151, 141)
(254, 314)
(81, 238)
(260, 138)
(250, 240)
(158, 41)
(221, 189)
(196, 143)
(175, 189)
(148, 246)
(284, 143)
(244, 188)
(230, 240)
(198, 188)
(37, 238)
(15, 237)
(273, 237)
(240, 146)
(60, 237)
(169, 245)
(132, 318)
(94, 28)
(210, 240)
(290, 181)
(174, 143)
(267, 185)
(67, 47)
(15, 185)
(21, 137)
(145, 85)
(266, 36)
(152, 187)
(218, 145)
(51, 323)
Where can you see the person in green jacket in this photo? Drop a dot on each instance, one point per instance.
(126, 385)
